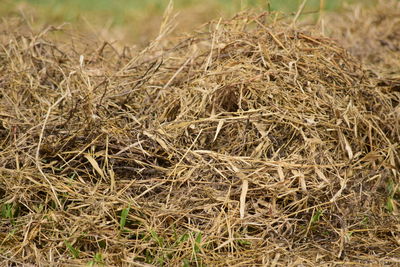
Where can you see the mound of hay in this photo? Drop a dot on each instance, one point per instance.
(250, 143)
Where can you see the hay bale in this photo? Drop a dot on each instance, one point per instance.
(249, 143)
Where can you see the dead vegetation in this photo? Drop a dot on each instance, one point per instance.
(250, 143)
(371, 34)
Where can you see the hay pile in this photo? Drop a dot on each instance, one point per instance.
(250, 143)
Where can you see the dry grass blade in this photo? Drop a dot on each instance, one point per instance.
(249, 143)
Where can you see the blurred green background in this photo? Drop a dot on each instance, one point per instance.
(141, 18)
(122, 10)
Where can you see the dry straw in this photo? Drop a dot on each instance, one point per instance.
(249, 143)
(371, 34)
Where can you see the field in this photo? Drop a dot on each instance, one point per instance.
(138, 21)
(226, 133)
